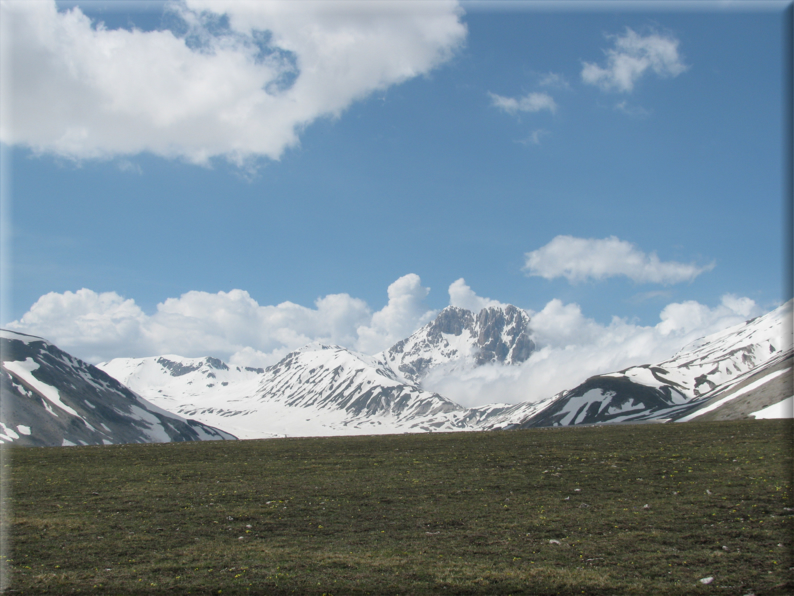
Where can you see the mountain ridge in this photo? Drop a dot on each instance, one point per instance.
(330, 390)
(321, 389)
(51, 398)
(705, 370)
(450, 344)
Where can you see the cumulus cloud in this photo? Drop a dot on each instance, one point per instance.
(230, 325)
(579, 259)
(462, 296)
(233, 326)
(234, 79)
(85, 320)
(631, 57)
(572, 347)
(531, 102)
(404, 313)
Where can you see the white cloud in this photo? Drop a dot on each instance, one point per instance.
(462, 296)
(229, 325)
(631, 57)
(531, 102)
(255, 359)
(86, 320)
(404, 313)
(572, 347)
(125, 165)
(579, 259)
(76, 89)
(233, 326)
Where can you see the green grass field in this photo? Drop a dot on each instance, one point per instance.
(641, 509)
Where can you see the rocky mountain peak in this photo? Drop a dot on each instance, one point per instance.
(177, 366)
(452, 320)
(503, 335)
(495, 334)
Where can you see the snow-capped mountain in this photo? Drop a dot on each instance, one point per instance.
(173, 381)
(458, 338)
(52, 398)
(317, 390)
(329, 390)
(730, 374)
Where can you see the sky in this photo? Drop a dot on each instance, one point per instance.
(240, 179)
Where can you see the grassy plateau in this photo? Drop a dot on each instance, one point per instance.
(640, 509)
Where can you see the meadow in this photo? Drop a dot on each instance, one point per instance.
(639, 509)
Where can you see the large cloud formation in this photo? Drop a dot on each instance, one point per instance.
(234, 327)
(579, 259)
(238, 79)
(229, 325)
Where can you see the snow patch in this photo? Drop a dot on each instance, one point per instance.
(782, 409)
(751, 387)
(24, 370)
(156, 432)
(626, 407)
(580, 405)
(7, 433)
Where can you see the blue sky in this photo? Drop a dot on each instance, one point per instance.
(420, 162)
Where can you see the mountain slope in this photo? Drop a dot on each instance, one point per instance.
(317, 390)
(325, 390)
(172, 381)
(701, 378)
(51, 398)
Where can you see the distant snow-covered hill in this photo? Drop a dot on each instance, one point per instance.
(52, 398)
(728, 375)
(179, 384)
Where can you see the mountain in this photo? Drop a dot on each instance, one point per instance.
(317, 390)
(330, 390)
(727, 375)
(178, 384)
(52, 398)
(458, 338)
